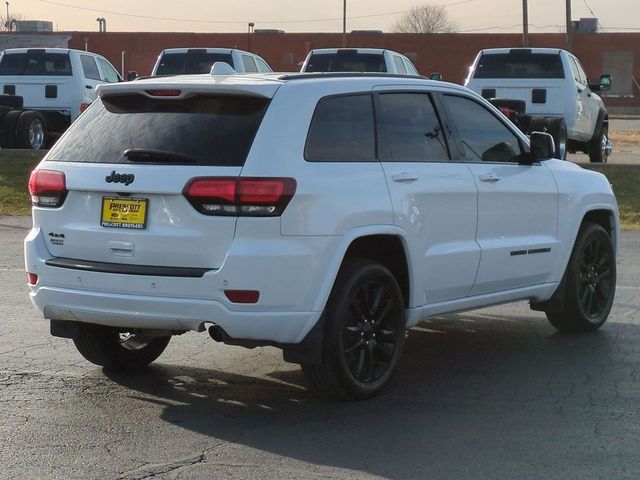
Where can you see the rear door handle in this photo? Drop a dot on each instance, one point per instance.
(489, 178)
(404, 177)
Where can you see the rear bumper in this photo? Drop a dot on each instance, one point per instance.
(285, 273)
(136, 311)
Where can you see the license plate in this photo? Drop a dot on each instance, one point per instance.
(124, 212)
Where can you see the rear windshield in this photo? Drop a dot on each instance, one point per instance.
(209, 130)
(346, 62)
(520, 65)
(35, 63)
(190, 63)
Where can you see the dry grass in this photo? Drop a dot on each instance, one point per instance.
(625, 139)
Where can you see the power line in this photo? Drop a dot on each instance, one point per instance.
(243, 22)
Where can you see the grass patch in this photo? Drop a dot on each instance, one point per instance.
(15, 167)
(626, 185)
(625, 139)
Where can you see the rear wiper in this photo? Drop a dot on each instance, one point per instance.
(143, 155)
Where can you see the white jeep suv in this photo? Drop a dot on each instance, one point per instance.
(322, 214)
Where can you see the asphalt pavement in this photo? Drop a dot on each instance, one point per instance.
(490, 394)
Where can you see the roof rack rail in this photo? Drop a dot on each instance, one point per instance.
(313, 75)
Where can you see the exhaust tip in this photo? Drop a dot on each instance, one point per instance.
(217, 333)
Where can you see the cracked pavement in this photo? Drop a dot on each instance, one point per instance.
(493, 393)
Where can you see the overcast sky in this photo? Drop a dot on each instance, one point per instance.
(325, 16)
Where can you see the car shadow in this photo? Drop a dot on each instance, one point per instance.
(474, 393)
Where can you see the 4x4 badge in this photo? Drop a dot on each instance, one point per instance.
(126, 178)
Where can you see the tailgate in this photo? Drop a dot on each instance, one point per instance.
(148, 222)
(41, 93)
(126, 162)
(542, 97)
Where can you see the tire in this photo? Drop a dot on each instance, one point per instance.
(9, 125)
(590, 281)
(597, 146)
(557, 128)
(537, 124)
(31, 131)
(3, 111)
(13, 101)
(108, 348)
(360, 354)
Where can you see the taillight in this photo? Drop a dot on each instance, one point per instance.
(47, 188)
(237, 196)
(84, 106)
(32, 278)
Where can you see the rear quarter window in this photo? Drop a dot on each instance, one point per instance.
(215, 130)
(520, 65)
(36, 63)
(342, 130)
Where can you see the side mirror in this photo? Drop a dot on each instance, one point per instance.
(604, 85)
(132, 75)
(436, 76)
(542, 146)
(605, 82)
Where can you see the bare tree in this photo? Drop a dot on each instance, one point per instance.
(5, 25)
(425, 19)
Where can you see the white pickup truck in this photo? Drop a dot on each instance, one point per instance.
(44, 90)
(549, 91)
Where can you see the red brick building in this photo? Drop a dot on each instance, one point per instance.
(449, 54)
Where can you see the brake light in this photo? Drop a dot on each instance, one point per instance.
(259, 197)
(84, 106)
(47, 188)
(164, 93)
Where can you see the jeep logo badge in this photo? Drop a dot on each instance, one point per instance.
(126, 178)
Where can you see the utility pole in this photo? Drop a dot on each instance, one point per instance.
(344, 23)
(7, 23)
(525, 24)
(569, 27)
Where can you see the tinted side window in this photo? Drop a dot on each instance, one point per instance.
(482, 136)
(108, 73)
(342, 130)
(249, 64)
(581, 73)
(410, 130)
(411, 70)
(263, 67)
(399, 65)
(89, 67)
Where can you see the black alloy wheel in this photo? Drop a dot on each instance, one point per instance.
(594, 284)
(364, 333)
(369, 336)
(590, 283)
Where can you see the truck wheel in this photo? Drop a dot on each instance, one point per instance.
(13, 101)
(31, 131)
(364, 333)
(598, 146)
(3, 111)
(590, 283)
(9, 128)
(108, 348)
(557, 128)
